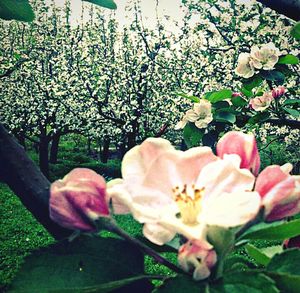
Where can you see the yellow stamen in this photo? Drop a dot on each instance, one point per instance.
(189, 203)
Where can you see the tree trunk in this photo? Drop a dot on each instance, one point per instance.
(104, 153)
(44, 155)
(23, 177)
(89, 150)
(54, 148)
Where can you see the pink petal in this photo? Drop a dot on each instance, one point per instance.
(224, 176)
(137, 160)
(158, 234)
(242, 144)
(175, 168)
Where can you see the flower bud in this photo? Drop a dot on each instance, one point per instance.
(279, 191)
(278, 92)
(241, 144)
(78, 200)
(292, 243)
(197, 256)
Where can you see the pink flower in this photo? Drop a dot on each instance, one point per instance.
(261, 103)
(197, 256)
(237, 94)
(241, 144)
(78, 200)
(171, 191)
(279, 191)
(278, 92)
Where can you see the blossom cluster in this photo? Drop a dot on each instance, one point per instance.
(263, 102)
(264, 57)
(174, 192)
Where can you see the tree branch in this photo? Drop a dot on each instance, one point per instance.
(24, 178)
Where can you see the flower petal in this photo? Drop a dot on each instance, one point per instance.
(158, 234)
(231, 209)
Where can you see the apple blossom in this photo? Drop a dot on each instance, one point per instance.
(78, 200)
(279, 191)
(261, 103)
(197, 256)
(265, 57)
(242, 144)
(172, 191)
(200, 115)
(244, 68)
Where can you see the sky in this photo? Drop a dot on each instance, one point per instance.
(170, 8)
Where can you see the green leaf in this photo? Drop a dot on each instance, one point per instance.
(288, 59)
(224, 116)
(246, 92)
(221, 105)
(295, 113)
(192, 135)
(257, 255)
(104, 3)
(244, 282)
(16, 9)
(252, 83)
(181, 284)
(259, 118)
(284, 268)
(273, 231)
(273, 75)
(221, 95)
(239, 101)
(295, 32)
(191, 98)
(291, 101)
(237, 263)
(84, 262)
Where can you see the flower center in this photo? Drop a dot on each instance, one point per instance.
(189, 203)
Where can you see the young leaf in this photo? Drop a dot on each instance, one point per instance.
(191, 98)
(257, 255)
(16, 9)
(104, 3)
(288, 59)
(295, 32)
(85, 262)
(274, 231)
(219, 96)
(295, 113)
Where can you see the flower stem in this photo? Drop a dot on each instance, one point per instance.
(110, 225)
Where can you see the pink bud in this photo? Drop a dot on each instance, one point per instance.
(279, 191)
(241, 144)
(292, 242)
(278, 92)
(78, 200)
(237, 94)
(197, 256)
